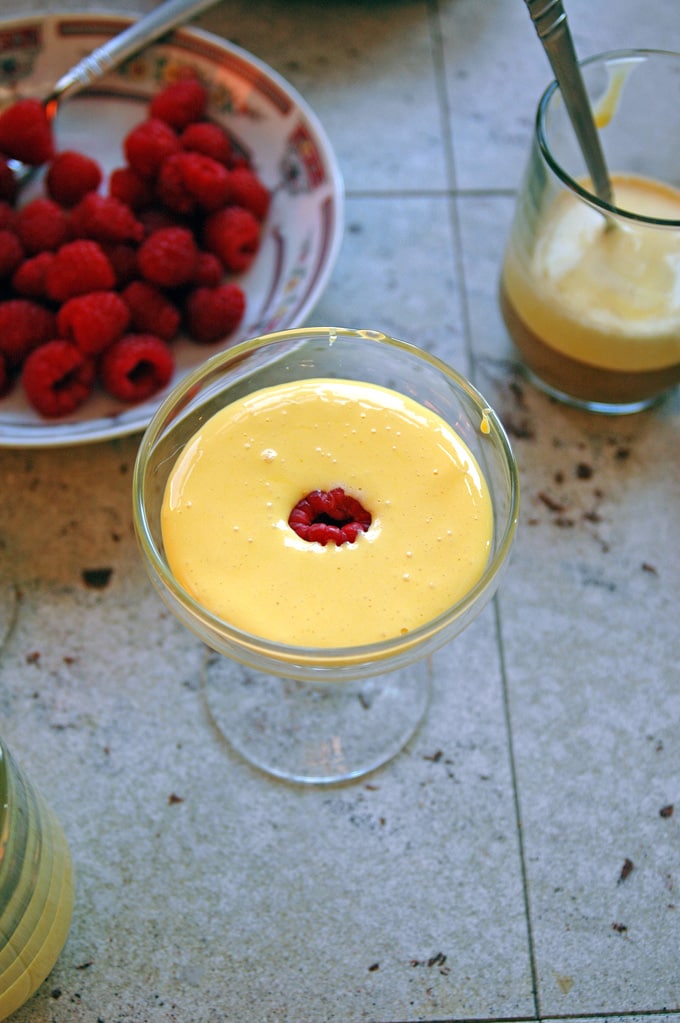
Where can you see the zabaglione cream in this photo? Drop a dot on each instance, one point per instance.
(410, 499)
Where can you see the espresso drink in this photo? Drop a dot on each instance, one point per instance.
(594, 307)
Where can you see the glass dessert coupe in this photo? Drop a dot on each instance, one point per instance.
(36, 887)
(320, 714)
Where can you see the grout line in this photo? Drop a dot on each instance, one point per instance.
(439, 68)
(518, 815)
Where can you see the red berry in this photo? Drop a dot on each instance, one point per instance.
(8, 181)
(136, 367)
(11, 253)
(7, 214)
(190, 181)
(94, 321)
(168, 257)
(5, 378)
(329, 516)
(208, 271)
(148, 144)
(30, 277)
(233, 235)
(214, 313)
(151, 311)
(130, 188)
(57, 378)
(70, 176)
(105, 219)
(247, 190)
(42, 225)
(123, 259)
(180, 103)
(25, 133)
(208, 138)
(24, 325)
(78, 267)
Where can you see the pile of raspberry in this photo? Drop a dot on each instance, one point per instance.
(97, 277)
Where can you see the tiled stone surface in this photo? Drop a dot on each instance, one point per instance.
(478, 876)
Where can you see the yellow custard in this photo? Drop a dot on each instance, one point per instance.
(607, 297)
(227, 502)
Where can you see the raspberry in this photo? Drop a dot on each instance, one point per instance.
(180, 103)
(189, 181)
(208, 272)
(8, 181)
(329, 516)
(70, 176)
(29, 279)
(233, 235)
(5, 378)
(208, 138)
(247, 190)
(7, 215)
(130, 188)
(94, 321)
(24, 325)
(105, 219)
(123, 259)
(148, 144)
(214, 313)
(11, 253)
(136, 367)
(25, 133)
(151, 311)
(78, 267)
(168, 257)
(41, 225)
(57, 378)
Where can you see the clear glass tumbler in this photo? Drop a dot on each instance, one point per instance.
(590, 292)
(36, 887)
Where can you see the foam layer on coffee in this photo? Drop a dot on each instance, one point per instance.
(607, 296)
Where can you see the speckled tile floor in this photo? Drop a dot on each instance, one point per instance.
(479, 875)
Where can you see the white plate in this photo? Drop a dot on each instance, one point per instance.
(267, 117)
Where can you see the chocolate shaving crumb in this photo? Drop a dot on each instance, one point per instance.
(172, 798)
(646, 567)
(434, 757)
(584, 471)
(619, 928)
(373, 967)
(55, 993)
(33, 657)
(626, 870)
(550, 502)
(666, 811)
(97, 578)
(85, 965)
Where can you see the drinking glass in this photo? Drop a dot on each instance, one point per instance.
(590, 292)
(319, 714)
(36, 886)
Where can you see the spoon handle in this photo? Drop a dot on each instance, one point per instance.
(127, 43)
(550, 22)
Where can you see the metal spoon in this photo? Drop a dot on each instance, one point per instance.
(111, 55)
(550, 21)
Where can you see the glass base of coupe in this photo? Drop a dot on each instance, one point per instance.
(324, 507)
